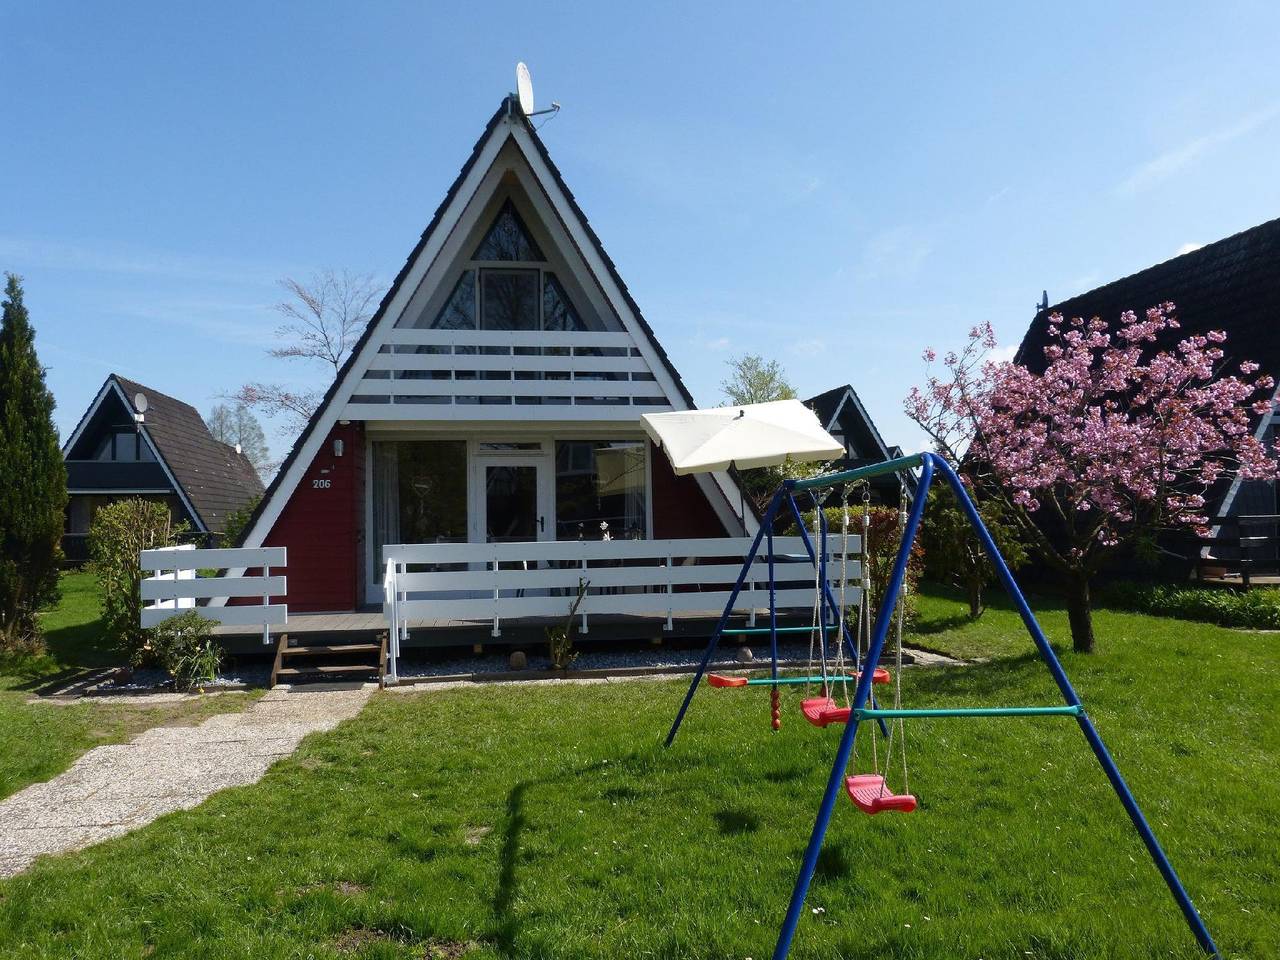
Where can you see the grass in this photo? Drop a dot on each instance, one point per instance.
(39, 740)
(545, 821)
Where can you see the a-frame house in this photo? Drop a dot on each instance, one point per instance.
(134, 442)
(496, 395)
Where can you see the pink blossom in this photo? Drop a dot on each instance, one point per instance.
(1113, 432)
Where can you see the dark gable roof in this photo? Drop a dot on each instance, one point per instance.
(215, 478)
(1232, 285)
(506, 107)
(866, 435)
(826, 404)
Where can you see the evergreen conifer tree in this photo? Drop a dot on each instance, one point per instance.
(33, 494)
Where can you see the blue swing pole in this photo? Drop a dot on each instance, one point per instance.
(1108, 764)
(775, 709)
(884, 618)
(765, 525)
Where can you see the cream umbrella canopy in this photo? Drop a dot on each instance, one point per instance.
(751, 435)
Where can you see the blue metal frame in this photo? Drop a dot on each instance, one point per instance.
(783, 495)
(929, 464)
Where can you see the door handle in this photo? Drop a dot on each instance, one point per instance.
(542, 524)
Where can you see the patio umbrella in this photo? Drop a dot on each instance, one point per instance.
(754, 435)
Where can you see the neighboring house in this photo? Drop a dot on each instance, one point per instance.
(1231, 285)
(137, 442)
(495, 396)
(845, 418)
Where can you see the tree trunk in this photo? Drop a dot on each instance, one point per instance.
(975, 599)
(1080, 614)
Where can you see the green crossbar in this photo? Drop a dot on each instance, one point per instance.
(888, 713)
(861, 473)
(759, 630)
(768, 682)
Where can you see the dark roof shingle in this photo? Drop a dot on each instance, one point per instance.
(216, 479)
(1231, 285)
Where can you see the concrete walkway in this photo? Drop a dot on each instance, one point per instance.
(114, 789)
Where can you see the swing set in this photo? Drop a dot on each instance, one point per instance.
(870, 792)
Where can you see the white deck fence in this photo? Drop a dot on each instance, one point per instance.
(174, 587)
(493, 582)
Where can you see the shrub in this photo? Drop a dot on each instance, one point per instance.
(560, 638)
(884, 540)
(119, 531)
(236, 521)
(184, 646)
(1254, 609)
(953, 552)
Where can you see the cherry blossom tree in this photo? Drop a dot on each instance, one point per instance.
(1116, 438)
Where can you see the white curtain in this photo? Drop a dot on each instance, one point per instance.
(386, 496)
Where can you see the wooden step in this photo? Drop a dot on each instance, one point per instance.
(376, 652)
(320, 649)
(327, 668)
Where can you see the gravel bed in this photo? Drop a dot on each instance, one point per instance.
(645, 657)
(232, 676)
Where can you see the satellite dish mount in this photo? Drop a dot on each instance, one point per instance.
(524, 93)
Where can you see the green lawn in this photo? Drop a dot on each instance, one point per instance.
(40, 740)
(545, 821)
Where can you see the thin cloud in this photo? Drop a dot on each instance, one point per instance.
(1172, 161)
(60, 255)
(897, 253)
(811, 347)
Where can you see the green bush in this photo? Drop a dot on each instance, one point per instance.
(1254, 609)
(118, 532)
(236, 521)
(953, 553)
(884, 540)
(184, 646)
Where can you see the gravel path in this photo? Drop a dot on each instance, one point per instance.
(114, 789)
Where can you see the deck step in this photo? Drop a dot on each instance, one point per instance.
(328, 668)
(322, 649)
(318, 660)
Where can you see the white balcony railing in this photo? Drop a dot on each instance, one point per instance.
(496, 582)
(424, 374)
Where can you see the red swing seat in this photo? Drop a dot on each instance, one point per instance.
(718, 680)
(867, 791)
(815, 708)
(821, 711)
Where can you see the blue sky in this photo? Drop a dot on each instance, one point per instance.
(834, 185)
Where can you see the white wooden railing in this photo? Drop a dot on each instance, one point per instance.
(493, 582)
(489, 372)
(174, 587)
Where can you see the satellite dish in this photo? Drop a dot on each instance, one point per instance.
(140, 402)
(524, 88)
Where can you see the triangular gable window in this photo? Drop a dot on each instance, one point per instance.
(459, 311)
(557, 311)
(508, 239)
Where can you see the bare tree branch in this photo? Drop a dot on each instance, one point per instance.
(324, 317)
